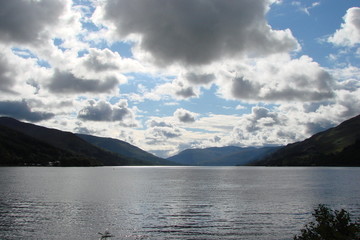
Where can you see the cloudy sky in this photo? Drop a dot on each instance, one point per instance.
(169, 75)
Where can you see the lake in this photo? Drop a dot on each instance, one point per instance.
(169, 202)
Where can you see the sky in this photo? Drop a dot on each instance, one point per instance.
(168, 75)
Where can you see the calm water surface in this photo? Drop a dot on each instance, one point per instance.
(169, 202)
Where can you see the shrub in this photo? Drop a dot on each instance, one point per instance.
(330, 225)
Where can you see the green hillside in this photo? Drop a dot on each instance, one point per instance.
(338, 146)
(18, 149)
(69, 142)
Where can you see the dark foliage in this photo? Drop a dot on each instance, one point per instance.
(330, 225)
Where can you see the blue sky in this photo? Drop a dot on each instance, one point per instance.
(170, 75)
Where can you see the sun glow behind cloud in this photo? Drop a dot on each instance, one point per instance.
(169, 75)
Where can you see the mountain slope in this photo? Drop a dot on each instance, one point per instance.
(124, 148)
(337, 146)
(18, 149)
(69, 142)
(220, 156)
(243, 157)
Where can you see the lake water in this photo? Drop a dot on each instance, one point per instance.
(169, 202)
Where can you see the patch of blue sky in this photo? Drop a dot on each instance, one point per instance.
(149, 81)
(58, 43)
(88, 8)
(26, 54)
(82, 53)
(209, 102)
(90, 26)
(123, 48)
(311, 26)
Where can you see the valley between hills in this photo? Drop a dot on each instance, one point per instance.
(26, 144)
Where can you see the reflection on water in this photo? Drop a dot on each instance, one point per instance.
(169, 202)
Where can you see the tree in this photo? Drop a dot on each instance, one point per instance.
(330, 225)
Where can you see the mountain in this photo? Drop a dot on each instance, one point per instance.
(18, 149)
(124, 149)
(220, 156)
(64, 142)
(338, 146)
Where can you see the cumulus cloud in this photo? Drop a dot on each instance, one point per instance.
(22, 111)
(197, 32)
(6, 80)
(101, 60)
(105, 112)
(160, 131)
(281, 80)
(184, 115)
(196, 78)
(176, 89)
(349, 33)
(264, 127)
(66, 82)
(105, 60)
(27, 21)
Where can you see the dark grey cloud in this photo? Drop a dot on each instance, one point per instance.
(199, 78)
(196, 32)
(184, 116)
(186, 92)
(22, 111)
(23, 21)
(103, 111)
(244, 89)
(65, 82)
(165, 132)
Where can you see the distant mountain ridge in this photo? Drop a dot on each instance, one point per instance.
(29, 144)
(221, 156)
(63, 143)
(338, 146)
(124, 148)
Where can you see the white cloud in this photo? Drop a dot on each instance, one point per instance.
(349, 33)
(277, 79)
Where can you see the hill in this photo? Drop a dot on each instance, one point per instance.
(124, 149)
(220, 156)
(18, 149)
(338, 146)
(65, 141)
